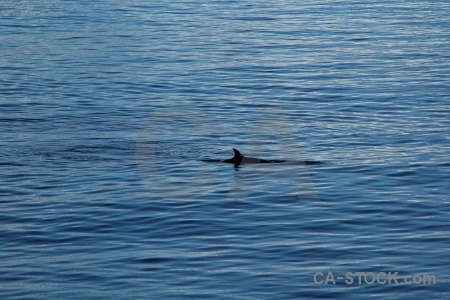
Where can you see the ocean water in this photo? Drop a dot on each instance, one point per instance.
(109, 109)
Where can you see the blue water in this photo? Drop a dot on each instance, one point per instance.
(108, 109)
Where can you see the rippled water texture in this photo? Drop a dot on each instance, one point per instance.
(110, 111)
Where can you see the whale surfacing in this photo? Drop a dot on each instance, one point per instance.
(239, 159)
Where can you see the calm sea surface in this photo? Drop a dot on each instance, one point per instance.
(109, 109)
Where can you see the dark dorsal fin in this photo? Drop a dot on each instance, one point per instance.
(237, 154)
